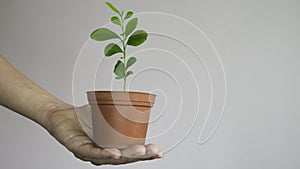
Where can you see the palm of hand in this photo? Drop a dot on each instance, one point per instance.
(64, 126)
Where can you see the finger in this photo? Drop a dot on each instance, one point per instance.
(89, 151)
(135, 151)
(152, 150)
(122, 160)
(116, 152)
(129, 155)
(160, 155)
(101, 159)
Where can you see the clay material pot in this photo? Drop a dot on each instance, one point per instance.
(120, 119)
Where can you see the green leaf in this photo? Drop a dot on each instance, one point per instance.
(118, 78)
(131, 25)
(119, 69)
(130, 62)
(137, 38)
(128, 14)
(112, 8)
(112, 49)
(103, 34)
(129, 73)
(115, 20)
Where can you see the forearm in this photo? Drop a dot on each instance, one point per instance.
(23, 96)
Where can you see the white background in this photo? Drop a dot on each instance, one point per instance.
(258, 42)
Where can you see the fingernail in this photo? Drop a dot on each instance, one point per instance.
(160, 155)
(116, 157)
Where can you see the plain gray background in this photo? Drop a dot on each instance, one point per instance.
(258, 44)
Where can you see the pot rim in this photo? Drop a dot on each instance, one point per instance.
(118, 91)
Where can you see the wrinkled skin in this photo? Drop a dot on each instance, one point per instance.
(64, 126)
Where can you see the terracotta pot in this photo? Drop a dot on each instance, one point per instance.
(120, 119)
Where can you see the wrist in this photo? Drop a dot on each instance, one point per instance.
(49, 109)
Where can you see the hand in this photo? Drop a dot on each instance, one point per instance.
(65, 127)
(60, 120)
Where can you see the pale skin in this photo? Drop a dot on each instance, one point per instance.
(21, 95)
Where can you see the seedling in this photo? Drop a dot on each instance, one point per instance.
(127, 38)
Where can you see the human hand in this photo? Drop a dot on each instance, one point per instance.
(65, 127)
(60, 120)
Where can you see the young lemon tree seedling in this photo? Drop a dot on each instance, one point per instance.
(128, 37)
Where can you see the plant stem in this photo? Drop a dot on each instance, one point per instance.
(124, 52)
(124, 85)
(124, 57)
